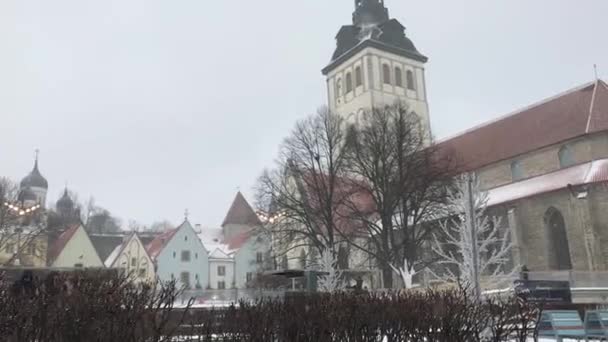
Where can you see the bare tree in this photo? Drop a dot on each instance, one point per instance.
(393, 165)
(302, 193)
(331, 278)
(20, 226)
(473, 242)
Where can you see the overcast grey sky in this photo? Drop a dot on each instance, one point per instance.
(154, 106)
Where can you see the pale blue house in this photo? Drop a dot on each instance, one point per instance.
(179, 254)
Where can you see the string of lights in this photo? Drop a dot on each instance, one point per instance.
(21, 210)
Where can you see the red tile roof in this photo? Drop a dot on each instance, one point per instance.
(572, 114)
(240, 212)
(59, 244)
(156, 246)
(587, 173)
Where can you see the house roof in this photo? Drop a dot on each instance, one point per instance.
(241, 213)
(158, 244)
(59, 244)
(120, 248)
(577, 112)
(218, 253)
(588, 173)
(105, 244)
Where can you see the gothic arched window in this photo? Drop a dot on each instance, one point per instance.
(386, 74)
(303, 259)
(349, 82)
(517, 171)
(398, 77)
(566, 158)
(358, 77)
(410, 80)
(559, 248)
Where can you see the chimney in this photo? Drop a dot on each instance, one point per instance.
(198, 228)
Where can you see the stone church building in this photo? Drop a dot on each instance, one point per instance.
(545, 166)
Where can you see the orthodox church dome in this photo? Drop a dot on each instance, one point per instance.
(34, 179)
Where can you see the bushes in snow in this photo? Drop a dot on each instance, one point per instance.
(103, 307)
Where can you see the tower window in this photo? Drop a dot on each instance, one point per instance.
(349, 82)
(398, 77)
(338, 87)
(358, 77)
(386, 73)
(566, 158)
(411, 85)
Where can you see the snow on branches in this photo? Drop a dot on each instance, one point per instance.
(471, 243)
(331, 279)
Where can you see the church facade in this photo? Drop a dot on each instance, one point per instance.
(545, 167)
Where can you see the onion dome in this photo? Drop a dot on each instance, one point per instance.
(65, 203)
(34, 179)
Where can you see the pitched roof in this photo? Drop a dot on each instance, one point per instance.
(156, 246)
(240, 212)
(59, 244)
(577, 112)
(105, 244)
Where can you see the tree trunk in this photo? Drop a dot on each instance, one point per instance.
(387, 277)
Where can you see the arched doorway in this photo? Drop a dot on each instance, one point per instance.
(558, 246)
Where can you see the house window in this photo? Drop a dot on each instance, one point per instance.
(78, 265)
(249, 277)
(221, 285)
(517, 171)
(174, 254)
(142, 272)
(411, 85)
(358, 77)
(285, 263)
(185, 279)
(566, 157)
(221, 270)
(133, 262)
(349, 82)
(303, 259)
(9, 248)
(386, 73)
(259, 257)
(398, 77)
(186, 238)
(186, 256)
(195, 255)
(32, 249)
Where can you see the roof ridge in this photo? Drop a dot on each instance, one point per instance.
(592, 104)
(516, 112)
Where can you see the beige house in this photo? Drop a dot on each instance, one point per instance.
(74, 249)
(131, 257)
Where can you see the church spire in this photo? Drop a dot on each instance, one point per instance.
(370, 12)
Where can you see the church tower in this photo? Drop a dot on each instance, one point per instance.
(375, 64)
(33, 188)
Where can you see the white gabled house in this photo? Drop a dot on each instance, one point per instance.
(74, 249)
(132, 258)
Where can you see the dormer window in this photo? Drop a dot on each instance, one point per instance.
(411, 85)
(398, 77)
(566, 157)
(517, 171)
(349, 82)
(386, 74)
(358, 77)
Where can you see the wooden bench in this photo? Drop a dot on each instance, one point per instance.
(560, 324)
(596, 325)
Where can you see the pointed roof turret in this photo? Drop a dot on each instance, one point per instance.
(34, 179)
(369, 12)
(241, 213)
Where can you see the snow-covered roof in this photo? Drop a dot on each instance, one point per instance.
(113, 256)
(587, 173)
(213, 240)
